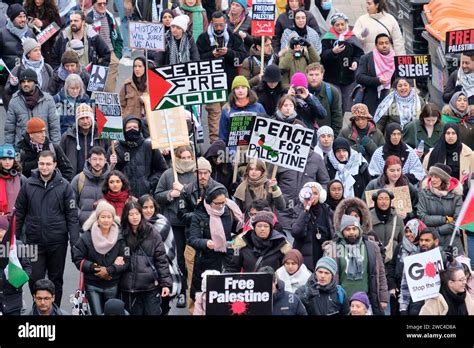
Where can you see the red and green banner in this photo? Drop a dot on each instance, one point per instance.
(466, 216)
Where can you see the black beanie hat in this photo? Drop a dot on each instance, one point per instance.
(28, 74)
(341, 143)
(272, 74)
(14, 11)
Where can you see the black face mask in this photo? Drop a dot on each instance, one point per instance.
(133, 135)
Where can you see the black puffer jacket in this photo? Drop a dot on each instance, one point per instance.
(268, 97)
(141, 164)
(11, 297)
(84, 250)
(246, 255)
(139, 275)
(306, 228)
(222, 172)
(11, 49)
(29, 157)
(286, 303)
(47, 213)
(323, 301)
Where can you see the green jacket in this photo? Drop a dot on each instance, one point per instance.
(333, 107)
(414, 132)
(290, 65)
(366, 146)
(115, 36)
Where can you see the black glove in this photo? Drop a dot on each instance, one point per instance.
(307, 43)
(449, 253)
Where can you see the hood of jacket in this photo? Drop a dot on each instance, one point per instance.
(358, 203)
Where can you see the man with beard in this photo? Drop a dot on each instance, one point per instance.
(220, 43)
(95, 51)
(136, 159)
(251, 66)
(87, 185)
(30, 101)
(360, 264)
(11, 38)
(46, 211)
(428, 240)
(461, 79)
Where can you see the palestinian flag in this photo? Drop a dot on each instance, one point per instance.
(466, 217)
(15, 274)
(2, 65)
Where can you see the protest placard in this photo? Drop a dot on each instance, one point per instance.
(280, 143)
(458, 41)
(263, 17)
(422, 274)
(147, 36)
(413, 67)
(239, 294)
(98, 78)
(240, 130)
(192, 83)
(168, 126)
(401, 202)
(47, 33)
(109, 116)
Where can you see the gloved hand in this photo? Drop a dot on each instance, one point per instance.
(365, 32)
(448, 251)
(449, 219)
(307, 43)
(365, 140)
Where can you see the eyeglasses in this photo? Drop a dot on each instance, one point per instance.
(101, 4)
(43, 299)
(462, 280)
(218, 203)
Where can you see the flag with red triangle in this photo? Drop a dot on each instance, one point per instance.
(465, 219)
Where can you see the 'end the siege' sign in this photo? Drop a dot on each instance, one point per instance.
(458, 41)
(413, 67)
(239, 294)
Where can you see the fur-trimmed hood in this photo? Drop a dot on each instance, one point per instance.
(361, 205)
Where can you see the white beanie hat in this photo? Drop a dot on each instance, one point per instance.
(322, 192)
(181, 21)
(84, 110)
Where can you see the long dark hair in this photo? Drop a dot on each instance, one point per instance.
(51, 11)
(143, 230)
(140, 82)
(122, 177)
(145, 198)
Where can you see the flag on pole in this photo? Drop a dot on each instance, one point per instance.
(14, 272)
(465, 219)
(4, 66)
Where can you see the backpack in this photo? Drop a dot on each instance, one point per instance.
(329, 93)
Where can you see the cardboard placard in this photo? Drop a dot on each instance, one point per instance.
(98, 78)
(239, 294)
(240, 130)
(280, 143)
(192, 83)
(413, 67)
(47, 33)
(458, 41)
(263, 17)
(422, 274)
(401, 202)
(108, 114)
(147, 36)
(175, 125)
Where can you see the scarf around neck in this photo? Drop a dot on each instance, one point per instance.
(408, 107)
(384, 67)
(336, 36)
(117, 200)
(31, 100)
(212, 36)
(179, 53)
(9, 189)
(288, 119)
(20, 33)
(242, 103)
(257, 186)
(354, 258)
(456, 302)
(346, 172)
(101, 243)
(37, 66)
(196, 20)
(183, 166)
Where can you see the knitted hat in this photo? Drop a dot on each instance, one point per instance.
(28, 74)
(14, 11)
(322, 192)
(337, 16)
(84, 110)
(242, 3)
(114, 306)
(203, 164)
(325, 130)
(240, 81)
(360, 110)
(181, 21)
(76, 44)
(204, 278)
(341, 143)
(361, 297)
(272, 73)
(69, 57)
(4, 223)
(295, 255)
(29, 45)
(299, 80)
(35, 125)
(7, 151)
(102, 206)
(328, 263)
(263, 216)
(349, 220)
(442, 171)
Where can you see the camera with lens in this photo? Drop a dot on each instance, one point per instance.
(306, 192)
(297, 40)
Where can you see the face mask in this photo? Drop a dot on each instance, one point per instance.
(132, 135)
(326, 5)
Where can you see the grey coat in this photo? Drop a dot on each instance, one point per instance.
(90, 193)
(433, 210)
(171, 206)
(19, 114)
